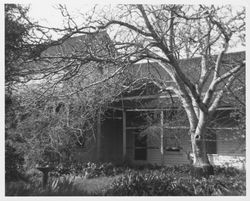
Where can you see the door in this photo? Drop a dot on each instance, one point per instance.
(140, 147)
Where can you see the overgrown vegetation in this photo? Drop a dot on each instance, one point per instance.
(177, 182)
(88, 170)
(124, 181)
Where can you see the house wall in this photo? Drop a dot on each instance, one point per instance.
(153, 149)
(228, 147)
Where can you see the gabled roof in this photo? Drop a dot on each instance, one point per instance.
(80, 45)
(191, 67)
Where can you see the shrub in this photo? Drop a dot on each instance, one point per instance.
(61, 186)
(93, 170)
(228, 171)
(167, 181)
(146, 182)
(88, 170)
(176, 181)
(13, 164)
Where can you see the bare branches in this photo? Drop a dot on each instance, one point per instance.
(125, 25)
(148, 24)
(231, 72)
(219, 95)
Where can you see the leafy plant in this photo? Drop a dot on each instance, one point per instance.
(150, 181)
(175, 181)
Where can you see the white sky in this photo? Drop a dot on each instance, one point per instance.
(47, 13)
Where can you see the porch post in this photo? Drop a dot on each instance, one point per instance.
(124, 135)
(98, 137)
(162, 138)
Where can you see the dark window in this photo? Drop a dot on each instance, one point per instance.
(140, 147)
(211, 142)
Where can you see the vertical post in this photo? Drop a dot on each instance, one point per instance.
(98, 137)
(162, 138)
(124, 134)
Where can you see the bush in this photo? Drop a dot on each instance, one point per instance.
(93, 170)
(146, 183)
(61, 186)
(176, 181)
(13, 164)
(88, 170)
(167, 181)
(228, 171)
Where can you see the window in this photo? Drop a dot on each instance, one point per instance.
(172, 140)
(140, 147)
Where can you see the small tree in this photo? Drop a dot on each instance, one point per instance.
(16, 32)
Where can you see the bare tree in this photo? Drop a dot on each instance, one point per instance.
(163, 34)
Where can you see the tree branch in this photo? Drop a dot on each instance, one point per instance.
(219, 95)
(125, 25)
(230, 72)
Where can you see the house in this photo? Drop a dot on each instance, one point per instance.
(146, 125)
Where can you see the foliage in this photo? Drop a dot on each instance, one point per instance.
(58, 187)
(149, 181)
(14, 142)
(93, 170)
(16, 51)
(16, 46)
(88, 170)
(13, 164)
(172, 182)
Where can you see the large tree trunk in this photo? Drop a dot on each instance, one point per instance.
(201, 164)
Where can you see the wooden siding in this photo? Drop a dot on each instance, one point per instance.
(229, 143)
(228, 151)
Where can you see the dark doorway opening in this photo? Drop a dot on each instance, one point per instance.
(140, 147)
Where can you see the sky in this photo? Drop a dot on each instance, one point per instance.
(48, 14)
